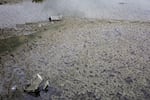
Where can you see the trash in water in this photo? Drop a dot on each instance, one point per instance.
(55, 18)
(39, 86)
(14, 88)
(34, 84)
(46, 85)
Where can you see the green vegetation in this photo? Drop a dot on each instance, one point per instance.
(12, 43)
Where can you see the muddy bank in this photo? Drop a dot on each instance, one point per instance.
(2, 2)
(11, 38)
(82, 59)
(23, 29)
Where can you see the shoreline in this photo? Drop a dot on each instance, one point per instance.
(3, 2)
(33, 27)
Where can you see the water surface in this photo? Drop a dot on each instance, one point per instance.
(102, 9)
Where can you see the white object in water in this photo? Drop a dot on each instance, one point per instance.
(55, 18)
(14, 88)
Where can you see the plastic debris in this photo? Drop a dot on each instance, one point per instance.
(14, 88)
(46, 85)
(55, 18)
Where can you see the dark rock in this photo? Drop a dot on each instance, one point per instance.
(119, 95)
(46, 85)
(5, 2)
(36, 93)
(128, 80)
(146, 94)
(11, 55)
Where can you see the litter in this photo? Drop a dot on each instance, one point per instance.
(34, 84)
(55, 18)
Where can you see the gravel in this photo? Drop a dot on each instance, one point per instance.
(83, 59)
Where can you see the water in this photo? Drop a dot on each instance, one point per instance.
(21, 13)
(102, 9)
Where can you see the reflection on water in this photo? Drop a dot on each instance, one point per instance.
(102, 9)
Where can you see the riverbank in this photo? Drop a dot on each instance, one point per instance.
(82, 59)
(2, 2)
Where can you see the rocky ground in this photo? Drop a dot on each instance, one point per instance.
(83, 59)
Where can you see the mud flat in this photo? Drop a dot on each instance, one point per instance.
(9, 1)
(83, 59)
(23, 29)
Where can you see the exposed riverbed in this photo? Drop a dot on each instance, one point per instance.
(105, 56)
(82, 59)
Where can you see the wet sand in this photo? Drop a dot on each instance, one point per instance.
(84, 59)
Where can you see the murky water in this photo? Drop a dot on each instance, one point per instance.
(102, 9)
(21, 13)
